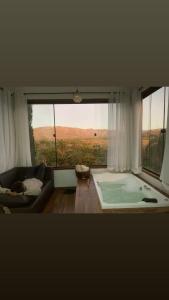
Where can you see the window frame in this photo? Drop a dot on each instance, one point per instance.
(67, 101)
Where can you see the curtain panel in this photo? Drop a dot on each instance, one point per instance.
(7, 131)
(23, 153)
(14, 130)
(124, 131)
(136, 132)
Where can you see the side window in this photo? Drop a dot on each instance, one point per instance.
(153, 134)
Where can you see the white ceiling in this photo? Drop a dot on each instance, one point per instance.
(84, 43)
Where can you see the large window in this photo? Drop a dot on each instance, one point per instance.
(64, 135)
(155, 108)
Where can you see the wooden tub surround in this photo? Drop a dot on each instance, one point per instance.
(87, 201)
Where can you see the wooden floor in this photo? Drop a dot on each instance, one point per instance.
(61, 202)
(84, 199)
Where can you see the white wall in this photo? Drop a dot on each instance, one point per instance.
(64, 178)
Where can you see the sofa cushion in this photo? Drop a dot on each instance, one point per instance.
(29, 173)
(33, 186)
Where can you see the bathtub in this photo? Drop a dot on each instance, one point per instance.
(125, 190)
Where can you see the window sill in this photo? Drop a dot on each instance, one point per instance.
(72, 168)
(154, 175)
(154, 182)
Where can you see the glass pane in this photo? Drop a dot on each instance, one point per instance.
(157, 109)
(81, 134)
(153, 138)
(166, 105)
(146, 132)
(41, 119)
(156, 136)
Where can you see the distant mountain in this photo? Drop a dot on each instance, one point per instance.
(153, 132)
(46, 133)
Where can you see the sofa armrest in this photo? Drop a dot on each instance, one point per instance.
(49, 174)
(8, 177)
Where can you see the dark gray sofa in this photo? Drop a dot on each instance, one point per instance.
(23, 203)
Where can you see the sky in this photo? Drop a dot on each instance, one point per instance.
(96, 115)
(71, 115)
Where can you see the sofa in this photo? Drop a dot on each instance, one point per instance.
(25, 203)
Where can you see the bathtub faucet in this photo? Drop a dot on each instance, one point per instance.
(146, 187)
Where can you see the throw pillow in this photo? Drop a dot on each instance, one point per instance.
(40, 173)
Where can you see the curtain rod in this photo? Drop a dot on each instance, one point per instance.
(68, 93)
(62, 93)
(65, 93)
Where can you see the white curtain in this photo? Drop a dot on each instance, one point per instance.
(164, 176)
(124, 127)
(136, 131)
(118, 156)
(7, 131)
(14, 130)
(23, 153)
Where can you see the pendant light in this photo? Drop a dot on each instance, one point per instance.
(77, 97)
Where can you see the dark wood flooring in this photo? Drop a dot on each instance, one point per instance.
(61, 202)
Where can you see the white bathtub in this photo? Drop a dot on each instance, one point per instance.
(125, 190)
